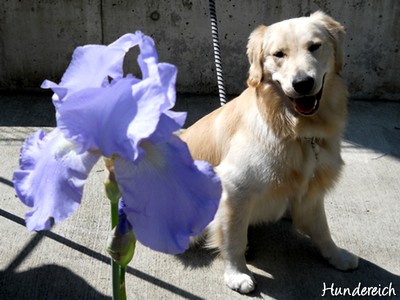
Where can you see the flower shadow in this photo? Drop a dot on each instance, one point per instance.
(14, 284)
(36, 284)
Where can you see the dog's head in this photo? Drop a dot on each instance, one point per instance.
(297, 55)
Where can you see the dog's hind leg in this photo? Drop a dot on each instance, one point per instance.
(309, 217)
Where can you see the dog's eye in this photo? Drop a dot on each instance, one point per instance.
(279, 54)
(314, 47)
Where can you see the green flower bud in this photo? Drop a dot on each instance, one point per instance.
(121, 246)
(112, 190)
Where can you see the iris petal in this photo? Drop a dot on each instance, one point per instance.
(98, 118)
(168, 196)
(167, 126)
(117, 118)
(91, 65)
(51, 178)
(148, 62)
(148, 57)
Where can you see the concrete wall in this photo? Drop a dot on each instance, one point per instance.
(37, 38)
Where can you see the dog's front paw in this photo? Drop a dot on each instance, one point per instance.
(344, 260)
(241, 282)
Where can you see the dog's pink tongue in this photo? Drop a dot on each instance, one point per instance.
(305, 105)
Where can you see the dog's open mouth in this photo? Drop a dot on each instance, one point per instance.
(308, 105)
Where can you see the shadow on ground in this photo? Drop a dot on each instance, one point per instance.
(295, 267)
(46, 282)
(14, 285)
(374, 125)
(27, 109)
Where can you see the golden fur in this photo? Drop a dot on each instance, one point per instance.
(275, 147)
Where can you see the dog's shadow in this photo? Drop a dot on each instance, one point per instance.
(287, 265)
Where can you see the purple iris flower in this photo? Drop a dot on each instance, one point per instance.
(167, 196)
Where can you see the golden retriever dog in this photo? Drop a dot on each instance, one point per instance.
(276, 147)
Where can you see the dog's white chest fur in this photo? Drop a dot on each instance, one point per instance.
(269, 175)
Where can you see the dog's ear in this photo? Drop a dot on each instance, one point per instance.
(336, 33)
(255, 55)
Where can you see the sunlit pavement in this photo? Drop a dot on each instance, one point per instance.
(69, 262)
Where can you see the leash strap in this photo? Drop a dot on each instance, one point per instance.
(217, 52)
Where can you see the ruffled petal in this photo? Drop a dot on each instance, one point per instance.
(149, 66)
(51, 178)
(117, 118)
(169, 123)
(178, 117)
(98, 118)
(168, 196)
(148, 57)
(148, 93)
(91, 65)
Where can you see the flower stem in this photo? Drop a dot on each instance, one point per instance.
(122, 283)
(115, 266)
(114, 195)
(114, 214)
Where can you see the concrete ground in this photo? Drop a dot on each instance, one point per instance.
(69, 262)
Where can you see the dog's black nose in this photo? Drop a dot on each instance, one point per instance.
(303, 85)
